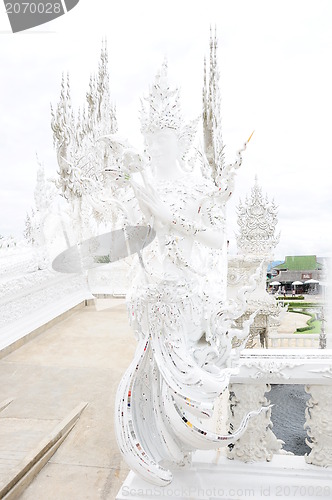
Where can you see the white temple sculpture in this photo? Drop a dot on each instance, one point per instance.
(257, 238)
(82, 154)
(177, 305)
(183, 321)
(95, 204)
(191, 310)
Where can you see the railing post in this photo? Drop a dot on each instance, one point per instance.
(318, 422)
(258, 443)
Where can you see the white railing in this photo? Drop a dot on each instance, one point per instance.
(256, 465)
(291, 340)
(249, 390)
(44, 297)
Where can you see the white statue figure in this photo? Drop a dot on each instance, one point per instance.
(177, 305)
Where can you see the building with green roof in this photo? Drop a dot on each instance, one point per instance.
(298, 268)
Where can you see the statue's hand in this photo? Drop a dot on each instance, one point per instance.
(133, 161)
(151, 204)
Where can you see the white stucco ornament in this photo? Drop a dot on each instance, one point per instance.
(257, 220)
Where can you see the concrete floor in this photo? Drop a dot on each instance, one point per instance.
(79, 359)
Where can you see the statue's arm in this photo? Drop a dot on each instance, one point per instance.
(209, 236)
(158, 214)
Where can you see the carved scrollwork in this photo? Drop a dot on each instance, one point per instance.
(318, 425)
(269, 369)
(258, 443)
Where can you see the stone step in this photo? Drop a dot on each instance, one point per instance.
(24, 449)
(17, 437)
(5, 403)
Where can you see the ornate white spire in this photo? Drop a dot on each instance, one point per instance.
(101, 112)
(213, 143)
(257, 220)
(81, 159)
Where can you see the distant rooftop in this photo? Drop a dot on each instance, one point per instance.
(274, 264)
(299, 263)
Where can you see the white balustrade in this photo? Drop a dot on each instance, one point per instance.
(289, 341)
(260, 368)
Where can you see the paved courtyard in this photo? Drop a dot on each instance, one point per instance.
(79, 359)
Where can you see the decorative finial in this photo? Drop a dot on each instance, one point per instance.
(163, 107)
(252, 133)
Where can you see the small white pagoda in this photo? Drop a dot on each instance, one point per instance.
(256, 240)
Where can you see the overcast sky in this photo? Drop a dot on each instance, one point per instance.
(276, 78)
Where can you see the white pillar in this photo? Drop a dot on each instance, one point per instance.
(258, 442)
(318, 422)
